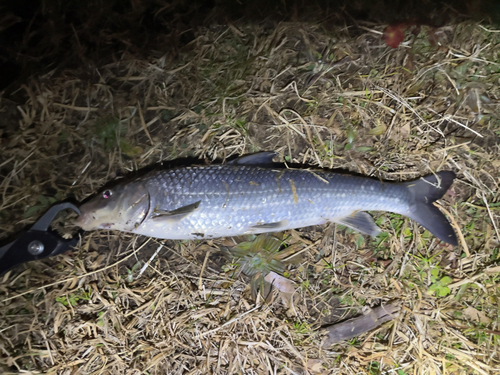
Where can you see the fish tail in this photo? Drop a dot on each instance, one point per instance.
(426, 191)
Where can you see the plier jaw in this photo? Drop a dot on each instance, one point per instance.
(38, 242)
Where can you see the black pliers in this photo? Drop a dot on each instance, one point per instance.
(38, 242)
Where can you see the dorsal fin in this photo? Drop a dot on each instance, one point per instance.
(260, 158)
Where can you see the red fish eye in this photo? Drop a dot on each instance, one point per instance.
(107, 194)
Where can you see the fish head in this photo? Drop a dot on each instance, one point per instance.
(123, 207)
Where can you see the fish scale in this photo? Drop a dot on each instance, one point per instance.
(236, 199)
(250, 195)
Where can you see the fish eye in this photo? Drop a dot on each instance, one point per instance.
(107, 194)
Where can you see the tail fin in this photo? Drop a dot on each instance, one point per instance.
(425, 191)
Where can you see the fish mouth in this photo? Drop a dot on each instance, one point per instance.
(83, 221)
(86, 221)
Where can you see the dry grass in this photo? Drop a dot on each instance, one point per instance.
(395, 114)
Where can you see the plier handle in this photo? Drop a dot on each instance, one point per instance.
(38, 242)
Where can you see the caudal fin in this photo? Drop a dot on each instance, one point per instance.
(425, 191)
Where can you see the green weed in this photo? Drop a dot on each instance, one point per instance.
(374, 368)
(439, 286)
(109, 132)
(73, 298)
(302, 328)
(43, 203)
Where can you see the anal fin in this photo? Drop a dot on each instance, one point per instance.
(276, 225)
(361, 222)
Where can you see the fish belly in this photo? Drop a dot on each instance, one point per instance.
(235, 200)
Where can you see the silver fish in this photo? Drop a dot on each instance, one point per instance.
(251, 195)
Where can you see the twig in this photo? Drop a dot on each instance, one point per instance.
(149, 261)
(200, 282)
(457, 229)
(491, 215)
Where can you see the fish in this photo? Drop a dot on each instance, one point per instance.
(253, 194)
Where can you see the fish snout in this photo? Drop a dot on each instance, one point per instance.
(84, 221)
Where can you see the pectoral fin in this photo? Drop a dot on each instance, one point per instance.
(177, 213)
(360, 221)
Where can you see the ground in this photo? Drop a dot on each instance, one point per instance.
(330, 98)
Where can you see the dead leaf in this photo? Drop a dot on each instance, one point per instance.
(401, 133)
(476, 315)
(279, 282)
(315, 366)
(405, 130)
(394, 35)
(98, 262)
(378, 130)
(284, 286)
(353, 327)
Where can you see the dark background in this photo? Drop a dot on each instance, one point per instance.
(37, 36)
